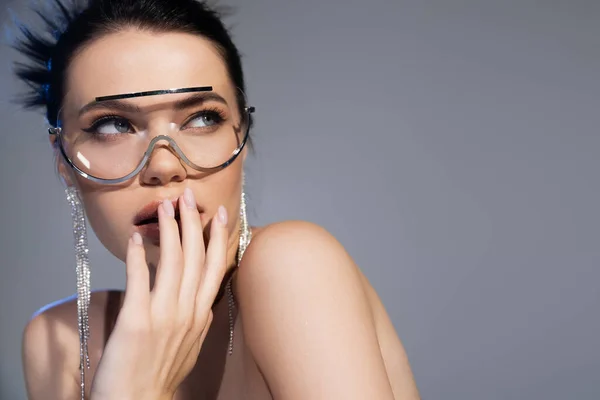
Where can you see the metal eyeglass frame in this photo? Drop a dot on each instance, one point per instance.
(58, 130)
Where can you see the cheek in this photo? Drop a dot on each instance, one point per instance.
(110, 219)
(222, 188)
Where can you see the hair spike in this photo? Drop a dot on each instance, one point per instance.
(38, 48)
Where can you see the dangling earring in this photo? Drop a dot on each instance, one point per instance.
(83, 280)
(245, 232)
(245, 237)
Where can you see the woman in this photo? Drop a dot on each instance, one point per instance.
(150, 122)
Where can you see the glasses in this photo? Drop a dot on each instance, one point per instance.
(110, 140)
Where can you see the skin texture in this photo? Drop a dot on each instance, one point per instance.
(309, 324)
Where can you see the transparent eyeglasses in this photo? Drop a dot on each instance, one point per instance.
(111, 139)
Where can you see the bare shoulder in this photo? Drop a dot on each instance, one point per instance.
(50, 347)
(286, 245)
(279, 245)
(286, 240)
(300, 293)
(294, 253)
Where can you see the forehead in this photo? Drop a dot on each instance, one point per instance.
(136, 61)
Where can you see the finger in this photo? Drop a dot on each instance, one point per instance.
(169, 269)
(137, 288)
(193, 249)
(216, 261)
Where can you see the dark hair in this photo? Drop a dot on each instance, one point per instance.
(75, 25)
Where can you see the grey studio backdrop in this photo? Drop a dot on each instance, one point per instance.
(451, 146)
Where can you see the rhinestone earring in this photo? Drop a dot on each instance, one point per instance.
(83, 280)
(245, 237)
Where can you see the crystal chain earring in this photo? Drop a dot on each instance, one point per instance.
(245, 237)
(83, 280)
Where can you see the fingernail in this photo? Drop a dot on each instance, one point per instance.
(188, 198)
(222, 215)
(168, 207)
(137, 238)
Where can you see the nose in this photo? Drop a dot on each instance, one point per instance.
(163, 167)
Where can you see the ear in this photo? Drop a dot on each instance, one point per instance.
(63, 170)
(65, 173)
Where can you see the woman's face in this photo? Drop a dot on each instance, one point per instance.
(136, 61)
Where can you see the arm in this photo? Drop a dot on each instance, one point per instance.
(307, 318)
(394, 355)
(48, 373)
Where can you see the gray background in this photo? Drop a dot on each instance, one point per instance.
(451, 146)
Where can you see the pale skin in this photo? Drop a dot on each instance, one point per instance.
(309, 325)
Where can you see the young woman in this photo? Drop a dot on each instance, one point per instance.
(150, 124)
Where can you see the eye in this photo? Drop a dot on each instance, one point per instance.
(205, 119)
(111, 126)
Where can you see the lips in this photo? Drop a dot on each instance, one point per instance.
(149, 214)
(146, 221)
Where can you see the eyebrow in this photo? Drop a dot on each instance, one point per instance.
(115, 102)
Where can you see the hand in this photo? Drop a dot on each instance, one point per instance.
(159, 333)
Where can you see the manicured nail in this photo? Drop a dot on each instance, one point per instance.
(137, 238)
(222, 215)
(188, 198)
(168, 208)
